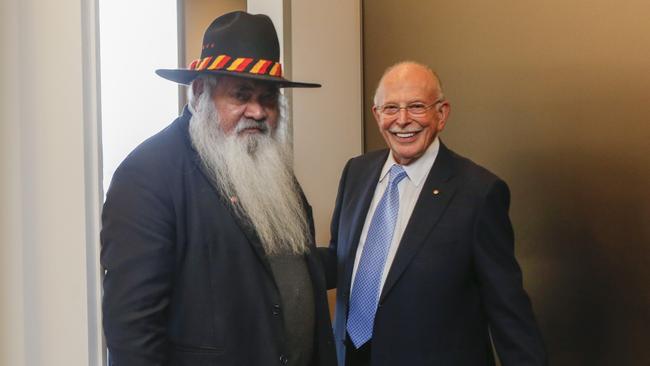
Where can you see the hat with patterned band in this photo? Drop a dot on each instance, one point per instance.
(241, 45)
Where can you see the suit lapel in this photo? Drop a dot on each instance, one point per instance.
(365, 183)
(426, 213)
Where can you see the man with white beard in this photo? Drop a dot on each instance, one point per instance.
(207, 238)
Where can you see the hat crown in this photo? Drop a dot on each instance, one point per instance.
(238, 44)
(239, 34)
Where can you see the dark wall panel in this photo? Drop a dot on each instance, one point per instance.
(554, 97)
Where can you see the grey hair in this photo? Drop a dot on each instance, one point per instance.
(209, 85)
(405, 63)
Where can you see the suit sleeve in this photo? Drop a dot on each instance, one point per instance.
(137, 255)
(328, 255)
(512, 324)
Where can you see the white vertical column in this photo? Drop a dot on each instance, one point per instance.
(12, 315)
(94, 196)
(44, 220)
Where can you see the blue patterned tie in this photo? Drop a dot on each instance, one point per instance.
(365, 291)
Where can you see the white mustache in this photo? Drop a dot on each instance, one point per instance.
(246, 123)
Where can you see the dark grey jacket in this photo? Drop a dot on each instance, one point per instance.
(187, 282)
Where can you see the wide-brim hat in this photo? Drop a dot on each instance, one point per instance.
(241, 45)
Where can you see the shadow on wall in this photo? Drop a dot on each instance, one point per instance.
(587, 256)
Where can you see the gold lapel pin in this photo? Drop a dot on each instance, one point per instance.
(436, 192)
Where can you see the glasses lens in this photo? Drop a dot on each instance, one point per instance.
(390, 109)
(416, 108)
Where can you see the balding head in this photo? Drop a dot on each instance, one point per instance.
(397, 71)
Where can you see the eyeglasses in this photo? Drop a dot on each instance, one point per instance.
(414, 109)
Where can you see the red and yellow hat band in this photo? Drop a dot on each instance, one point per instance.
(247, 65)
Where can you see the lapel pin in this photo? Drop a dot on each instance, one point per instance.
(436, 192)
(233, 200)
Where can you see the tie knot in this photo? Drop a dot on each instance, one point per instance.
(397, 173)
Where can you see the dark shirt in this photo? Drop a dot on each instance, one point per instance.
(297, 296)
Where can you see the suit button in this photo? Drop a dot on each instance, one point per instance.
(276, 309)
(283, 359)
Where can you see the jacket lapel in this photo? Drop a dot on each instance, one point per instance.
(366, 182)
(252, 238)
(426, 213)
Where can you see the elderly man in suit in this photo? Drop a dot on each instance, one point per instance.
(422, 247)
(207, 239)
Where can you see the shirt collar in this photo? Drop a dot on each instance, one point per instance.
(417, 170)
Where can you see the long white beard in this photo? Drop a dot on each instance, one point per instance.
(254, 171)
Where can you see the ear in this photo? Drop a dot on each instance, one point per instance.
(376, 114)
(443, 110)
(197, 87)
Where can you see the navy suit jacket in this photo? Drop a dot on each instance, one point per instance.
(454, 280)
(187, 281)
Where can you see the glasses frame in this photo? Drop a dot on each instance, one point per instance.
(381, 108)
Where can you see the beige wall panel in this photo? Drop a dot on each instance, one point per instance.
(327, 127)
(553, 96)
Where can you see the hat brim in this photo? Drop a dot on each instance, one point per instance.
(184, 76)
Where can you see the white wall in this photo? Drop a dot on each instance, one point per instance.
(136, 103)
(324, 47)
(49, 184)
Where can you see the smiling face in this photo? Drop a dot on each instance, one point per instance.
(245, 106)
(409, 136)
